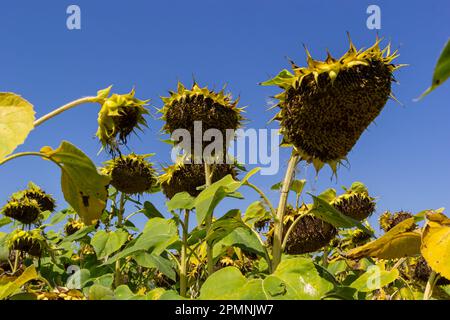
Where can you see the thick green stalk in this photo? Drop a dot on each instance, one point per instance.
(117, 275)
(208, 222)
(184, 258)
(278, 223)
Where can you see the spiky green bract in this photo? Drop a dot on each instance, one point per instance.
(326, 106)
(215, 110)
(119, 116)
(355, 202)
(131, 174)
(187, 177)
(31, 242)
(309, 234)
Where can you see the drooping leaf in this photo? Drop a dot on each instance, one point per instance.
(5, 221)
(107, 242)
(396, 243)
(436, 243)
(374, 278)
(150, 211)
(16, 122)
(323, 210)
(9, 288)
(99, 292)
(284, 80)
(159, 263)
(441, 71)
(255, 212)
(83, 187)
(298, 185)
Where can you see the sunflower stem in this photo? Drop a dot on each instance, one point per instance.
(65, 107)
(117, 276)
(208, 222)
(263, 196)
(430, 285)
(278, 223)
(184, 258)
(23, 154)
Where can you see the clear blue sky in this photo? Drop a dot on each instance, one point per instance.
(151, 45)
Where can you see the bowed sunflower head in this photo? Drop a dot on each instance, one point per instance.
(309, 234)
(119, 116)
(73, 226)
(355, 202)
(388, 220)
(31, 242)
(25, 210)
(214, 110)
(46, 202)
(421, 271)
(131, 174)
(326, 106)
(187, 177)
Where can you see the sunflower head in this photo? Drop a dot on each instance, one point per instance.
(119, 116)
(355, 202)
(31, 242)
(131, 174)
(187, 177)
(388, 220)
(215, 110)
(73, 226)
(309, 234)
(326, 106)
(25, 210)
(46, 202)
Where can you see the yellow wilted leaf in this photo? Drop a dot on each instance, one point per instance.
(16, 122)
(436, 243)
(9, 288)
(396, 243)
(83, 187)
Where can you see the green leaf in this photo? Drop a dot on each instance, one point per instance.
(182, 200)
(9, 288)
(240, 237)
(284, 80)
(79, 234)
(5, 221)
(105, 243)
(16, 122)
(83, 187)
(57, 218)
(441, 71)
(229, 284)
(300, 278)
(99, 292)
(298, 185)
(323, 210)
(159, 263)
(150, 211)
(158, 234)
(209, 198)
(255, 212)
(374, 278)
(78, 279)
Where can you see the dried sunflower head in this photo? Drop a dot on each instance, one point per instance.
(355, 202)
(31, 242)
(25, 210)
(309, 234)
(60, 293)
(421, 271)
(326, 106)
(131, 174)
(187, 177)
(119, 116)
(73, 226)
(215, 110)
(46, 202)
(388, 220)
